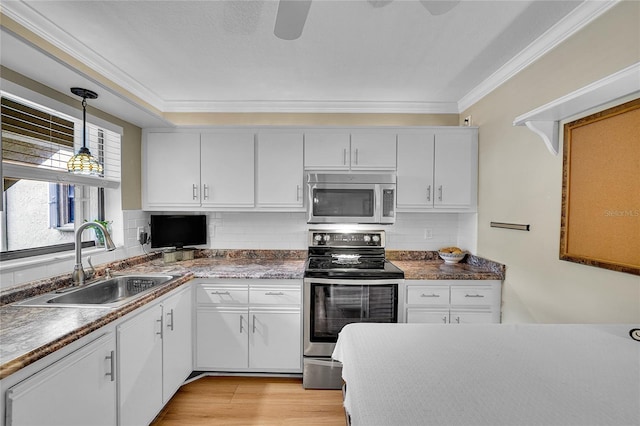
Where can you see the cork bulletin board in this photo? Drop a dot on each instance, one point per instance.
(600, 223)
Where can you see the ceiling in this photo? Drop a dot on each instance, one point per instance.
(156, 57)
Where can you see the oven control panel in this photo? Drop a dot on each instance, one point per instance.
(323, 238)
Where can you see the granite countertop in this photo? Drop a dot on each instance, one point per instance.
(28, 334)
(427, 265)
(24, 339)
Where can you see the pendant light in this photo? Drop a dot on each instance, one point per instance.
(83, 163)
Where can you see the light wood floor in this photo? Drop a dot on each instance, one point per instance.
(251, 401)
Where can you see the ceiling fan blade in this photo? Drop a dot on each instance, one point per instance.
(438, 7)
(290, 19)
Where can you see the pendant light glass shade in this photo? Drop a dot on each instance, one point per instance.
(83, 163)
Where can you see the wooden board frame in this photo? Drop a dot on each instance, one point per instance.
(600, 222)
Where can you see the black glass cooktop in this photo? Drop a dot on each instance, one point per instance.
(351, 267)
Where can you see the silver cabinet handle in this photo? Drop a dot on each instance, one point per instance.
(344, 157)
(241, 318)
(170, 324)
(444, 319)
(254, 324)
(457, 320)
(205, 189)
(356, 156)
(429, 193)
(112, 361)
(161, 330)
(195, 191)
(298, 193)
(440, 193)
(273, 293)
(220, 292)
(474, 295)
(429, 295)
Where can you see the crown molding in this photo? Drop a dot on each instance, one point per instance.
(565, 28)
(385, 107)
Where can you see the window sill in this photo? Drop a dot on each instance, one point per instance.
(44, 260)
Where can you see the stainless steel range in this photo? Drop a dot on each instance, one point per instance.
(347, 279)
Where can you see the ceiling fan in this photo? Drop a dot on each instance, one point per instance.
(292, 14)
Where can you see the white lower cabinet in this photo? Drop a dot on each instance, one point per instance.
(249, 325)
(79, 389)
(453, 301)
(152, 359)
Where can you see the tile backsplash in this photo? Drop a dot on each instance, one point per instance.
(257, 230)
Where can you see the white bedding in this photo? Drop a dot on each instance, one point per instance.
(490, 374)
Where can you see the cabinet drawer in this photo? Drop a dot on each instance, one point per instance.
(275, 296)
(427, 295)
(218, 295)
(471, 296)
(427, 316)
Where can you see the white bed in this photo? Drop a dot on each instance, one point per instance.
(490, 374)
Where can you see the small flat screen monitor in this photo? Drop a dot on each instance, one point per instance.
(168, 231)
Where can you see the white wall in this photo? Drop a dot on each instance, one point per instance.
(521, 182)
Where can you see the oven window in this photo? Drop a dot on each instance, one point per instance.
(343, 202)
(335, 305)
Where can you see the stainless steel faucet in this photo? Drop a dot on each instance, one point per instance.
(79, 276)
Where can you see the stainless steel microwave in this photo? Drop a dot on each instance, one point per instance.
(351, 198)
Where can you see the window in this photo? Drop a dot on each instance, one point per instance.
(42, 203)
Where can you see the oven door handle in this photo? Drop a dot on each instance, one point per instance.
(324, 362)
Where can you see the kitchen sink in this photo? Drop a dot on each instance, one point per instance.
(109, 293)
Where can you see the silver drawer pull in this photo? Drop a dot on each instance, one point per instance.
(273, 293)
(220, 292)
(429, 295)
(112, 361)
(473, 295)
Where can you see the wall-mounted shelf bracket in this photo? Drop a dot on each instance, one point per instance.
(544, 121)
(548, 131)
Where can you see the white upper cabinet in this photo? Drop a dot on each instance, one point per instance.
(171, 170)
(280, 171)
(373, 151)
(456, 170)
(350, 151)
(327, 151)
(438, 170)
(227, 169)
(415, 171)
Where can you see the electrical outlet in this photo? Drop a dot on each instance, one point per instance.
(141, 235)
(428, 234)
(467, 120)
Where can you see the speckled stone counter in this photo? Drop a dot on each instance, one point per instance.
(28, 334)
(427, 265)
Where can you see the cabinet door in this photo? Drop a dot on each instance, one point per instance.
(429, 316)
(456, 170)
(470, 317)
(171, 170)
(327, 151)
(373, 151)
(140, 367)
(222, 340)
(280, 170)
(176, 345)
(415, 171)
(275, 339)
(79, 389)
(227, 165)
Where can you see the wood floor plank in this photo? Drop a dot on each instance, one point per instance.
(264, 401)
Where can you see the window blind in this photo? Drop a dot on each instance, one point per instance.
(37, 143)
